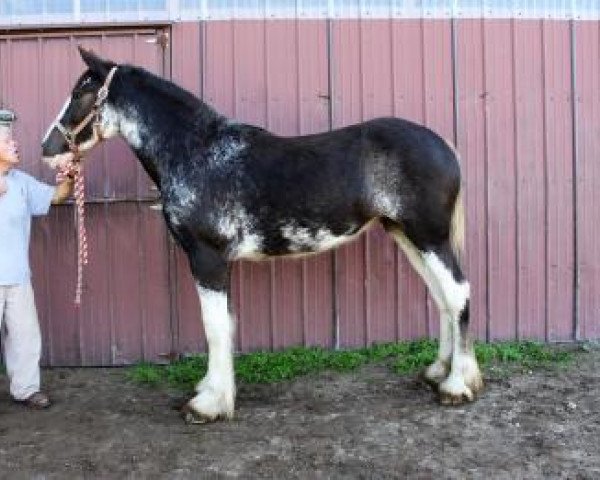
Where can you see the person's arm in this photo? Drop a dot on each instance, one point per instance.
(63, 191)
(40, 195)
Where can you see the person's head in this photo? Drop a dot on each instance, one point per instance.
(9, 153)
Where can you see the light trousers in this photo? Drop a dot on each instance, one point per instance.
(21, 337)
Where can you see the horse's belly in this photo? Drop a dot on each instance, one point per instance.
(291, 241)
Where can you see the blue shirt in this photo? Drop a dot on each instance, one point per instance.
(25, 197)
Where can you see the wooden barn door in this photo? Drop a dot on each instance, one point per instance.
(125, 314)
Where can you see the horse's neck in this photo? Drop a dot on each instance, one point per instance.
(159, 142)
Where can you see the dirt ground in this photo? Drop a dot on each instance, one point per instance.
(367, 424)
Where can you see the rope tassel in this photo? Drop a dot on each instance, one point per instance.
(75, 170)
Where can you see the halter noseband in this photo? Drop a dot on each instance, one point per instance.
(71, 135)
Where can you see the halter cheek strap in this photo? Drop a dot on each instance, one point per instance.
(71, 134)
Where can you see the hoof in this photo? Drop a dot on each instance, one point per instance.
(435, 374)
(192, 417)
(464, 382)
(432, 383)
(454, 391)
(476, 385)
(208, 406)
(449, 399)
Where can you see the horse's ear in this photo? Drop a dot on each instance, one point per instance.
(95, 63)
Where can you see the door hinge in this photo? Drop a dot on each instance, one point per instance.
(161, 39)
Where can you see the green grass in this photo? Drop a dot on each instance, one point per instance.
(525, 353)
(403, 358)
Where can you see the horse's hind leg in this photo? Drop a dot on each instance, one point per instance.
(455, 370)
(464, 380)
(216, 391)
(437, 371)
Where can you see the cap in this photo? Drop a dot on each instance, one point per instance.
(7, 117)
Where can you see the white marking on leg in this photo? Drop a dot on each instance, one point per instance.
(455, 294)
(465, 378)
(216, 391)
(438, 370)
(445, 352)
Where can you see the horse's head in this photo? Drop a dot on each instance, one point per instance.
(84, 120)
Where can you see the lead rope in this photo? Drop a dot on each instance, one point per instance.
(75, 170)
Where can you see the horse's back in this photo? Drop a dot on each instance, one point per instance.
(404, 144)
(354, 165)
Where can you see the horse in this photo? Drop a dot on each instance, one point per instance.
(234, 191)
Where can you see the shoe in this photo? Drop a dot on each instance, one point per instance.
(36, 401)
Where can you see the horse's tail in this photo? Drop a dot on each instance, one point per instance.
(457, 225)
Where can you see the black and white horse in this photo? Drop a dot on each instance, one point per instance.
(233, 191)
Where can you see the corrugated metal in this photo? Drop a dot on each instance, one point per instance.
(544, 209)
(514, 129)
(530, 174)
(558, 123)
(94, 316)
(471, 143)
(587, 80)
(501, 180)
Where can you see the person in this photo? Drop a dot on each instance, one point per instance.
(21, 198)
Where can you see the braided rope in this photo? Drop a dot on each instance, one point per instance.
(75, 170)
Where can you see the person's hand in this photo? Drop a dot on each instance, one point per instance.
(3, 185)
(63, 190)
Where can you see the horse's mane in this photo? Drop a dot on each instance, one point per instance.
(164, 88)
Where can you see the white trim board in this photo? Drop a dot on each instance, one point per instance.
(77, 12)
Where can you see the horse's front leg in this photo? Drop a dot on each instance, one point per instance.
(216, 391)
